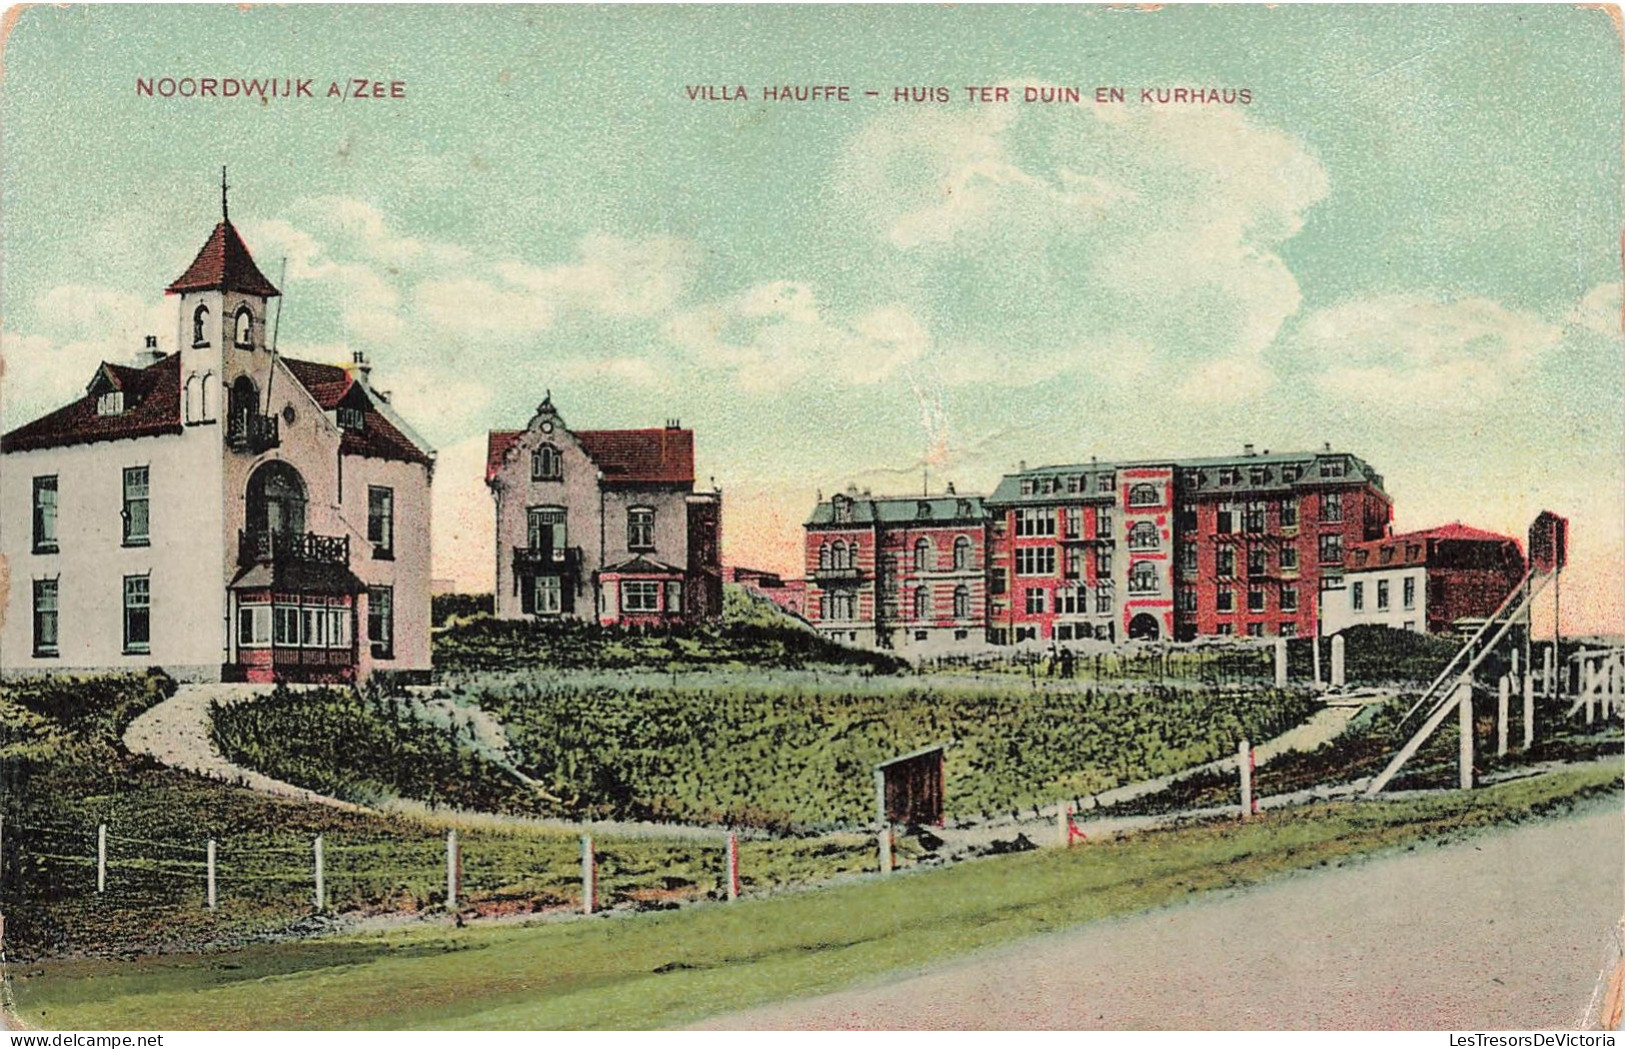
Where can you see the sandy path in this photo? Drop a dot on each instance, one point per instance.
(1506, 930)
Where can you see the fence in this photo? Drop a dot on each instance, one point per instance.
(1217, 665)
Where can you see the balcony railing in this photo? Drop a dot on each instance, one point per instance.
(548, 560)
(252, 433)
(848, 574)
(257, 547)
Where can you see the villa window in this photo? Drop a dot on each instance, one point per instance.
(381, 522)
(640, 596)
(546, 464)
(381, 621)
(254, 626)
(137, 614)
(244, 329)
(45, 514)
(46, 592)
(110, 403)
(200, 324)
(136, 506)
(640, 528)
(546, 530)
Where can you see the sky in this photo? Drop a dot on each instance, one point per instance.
(1407, 244)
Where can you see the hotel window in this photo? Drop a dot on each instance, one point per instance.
(1331, 549)
(962, 551)
(1103, 602)
(45, 617)
(961, 602)
(137, 614)
(1331, 506)
(1257, 561)
(136, 506)
(381, 522)
(1254, 517)
(1410, 592)
(922, 510)
(1291, 473)
(1224, 562)
(1185, 599)
(253, 626)
(1103, 564)
(1225, 520)
(1105, 482)
(924, 559)
(1357, 597)
(1333, 467)
(841, 509)
(1071, 600)
(1103, 525)
(1144, 495)
(1225, 599)
(1289, 599)
(1289, 630)
(1289, 559)
(640, 595)
(1144, 536)
(1033, 522)
(381, 621)
(1037, 601)
(1142, 578)
(1035, 560)
(1289, 514)
(1187, 557)
(546, 530)
(640, 528)
(1255, 629)
(546, 464)
(1255, 599)
(1382, 595)
(1225, 630)
(1229, 476)
(1071, 522)
(45, 515)
(1074, 563)
(1258, 475)
(922, 603)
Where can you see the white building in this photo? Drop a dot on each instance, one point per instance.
(217, 510)
(1424, 582)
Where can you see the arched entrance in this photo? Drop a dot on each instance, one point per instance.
(1143, 627)
(276, 500)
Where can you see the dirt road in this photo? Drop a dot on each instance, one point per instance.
(1507, 930)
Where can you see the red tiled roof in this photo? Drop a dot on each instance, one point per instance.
(1399, 545)
(378, 438)
(496, 448)
(663, 456)
(152, 406)
(223, 264)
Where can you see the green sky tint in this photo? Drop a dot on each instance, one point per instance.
(1407, 245)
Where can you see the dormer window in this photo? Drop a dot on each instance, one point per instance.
(842, 508)
(351, 418)
(923, 510)
(243, 328)
(110, 403)
(546, 464)
(200, 322)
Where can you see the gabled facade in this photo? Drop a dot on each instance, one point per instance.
(900, 572)
(1426, 581)
(602, 525)
(218, 510)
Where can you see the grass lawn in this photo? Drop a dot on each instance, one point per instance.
(671, 968)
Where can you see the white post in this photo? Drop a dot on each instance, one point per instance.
(1337, 661)
(452, 863)
(885, 849)
(1528, 707)
(589, 876)
(1314, 648)
(1280, 662)
(1465, 691)
(1548, 672)
(101, 857)
(321, 885)
(733, 866)
(1503, 695)
(1244, 762)
(1063, 835)
(211, 873)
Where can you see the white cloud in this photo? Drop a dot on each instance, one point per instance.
(611, 276)
(775, 334)
(468, 305)
(1599, 311)
(75, 328)
(1408, 350)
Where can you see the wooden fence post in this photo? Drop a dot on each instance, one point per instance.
(1314, 648)
(1503, 695)
(1465, 691)
(211, 873)
(733, 866)
(453, 863)
(1528, 707)
(1244, 762)
(589, 876)
(101, 857)
(321, 886)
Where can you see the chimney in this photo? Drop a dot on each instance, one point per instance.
(150, 353)
(951, 488)
(1327, 446)
(362, 367)
(1248, 450)
(1021, 467)
(673, 424)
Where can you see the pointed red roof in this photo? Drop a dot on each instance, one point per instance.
(224, 264)
(329, 385)
(496, 449)
(152, 406)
